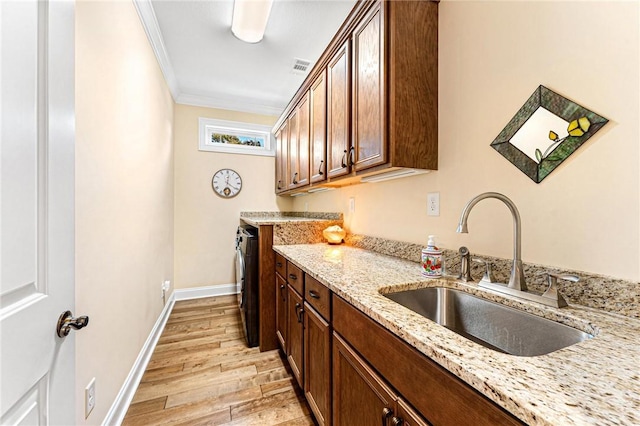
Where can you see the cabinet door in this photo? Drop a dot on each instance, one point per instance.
(369, 92)
(338, 110)
(281, 311)
(299, 145)
(295, 312)
(292, 150)
(317, 365)
(359, 395)
(409, 416)
(282, 144)
(318, 136)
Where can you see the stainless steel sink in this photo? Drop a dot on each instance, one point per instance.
(490, 324)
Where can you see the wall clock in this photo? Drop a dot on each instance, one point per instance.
(226, 183)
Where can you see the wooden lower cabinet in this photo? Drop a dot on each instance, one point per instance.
(295, 312)
(317, 365)
(360, 396)
(441, 397)
(282, 296)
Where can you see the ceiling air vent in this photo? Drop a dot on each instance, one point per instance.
(300, 66)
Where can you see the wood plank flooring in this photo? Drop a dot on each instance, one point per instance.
(203, 373)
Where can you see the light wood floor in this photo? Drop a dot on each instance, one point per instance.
(203, 373)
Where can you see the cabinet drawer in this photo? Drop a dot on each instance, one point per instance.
(318, 296)
(281, 265)
(295, 278)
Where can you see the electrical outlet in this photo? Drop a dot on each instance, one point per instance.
(89, 397)
(352, 204)
(306, 206)
(164, 287)
(433, 204)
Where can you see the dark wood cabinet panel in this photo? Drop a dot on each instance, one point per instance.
(282, 146)
(318, 296)
(338, 112)
(368, 100)
(432, 390)
(295, 313)
(299, 145)
(359, 396)
(267, 294)
(281, 265)
(295, 277)
(281, 311)
(318, 131)
(317, 365)
(409, 416)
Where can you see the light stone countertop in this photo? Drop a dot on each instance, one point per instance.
(595, 382)
(257, 221)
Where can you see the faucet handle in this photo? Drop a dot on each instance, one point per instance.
(552, 290)
(488, 273)
(465, 267)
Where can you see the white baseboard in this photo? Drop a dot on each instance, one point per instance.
(119, 408)
(209, 291)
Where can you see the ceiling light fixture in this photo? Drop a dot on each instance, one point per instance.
(250, 19)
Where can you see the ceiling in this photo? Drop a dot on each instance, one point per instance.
(205, 65)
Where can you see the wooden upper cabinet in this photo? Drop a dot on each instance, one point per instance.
(338, 108)
(318, 131)
(368, 98)
(282, 145)
(299, 145)
(381, 77)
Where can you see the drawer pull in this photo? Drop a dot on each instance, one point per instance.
(396, 421)
(293, 277)
(313, 294)
(279, 264)
(386, 413)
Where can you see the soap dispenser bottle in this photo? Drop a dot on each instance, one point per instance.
(432, 259)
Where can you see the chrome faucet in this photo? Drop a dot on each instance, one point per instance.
(516, 281)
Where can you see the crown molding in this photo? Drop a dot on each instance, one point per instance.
(152, 29)
(241, 105)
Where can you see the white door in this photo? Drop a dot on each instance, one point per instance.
(36, 211)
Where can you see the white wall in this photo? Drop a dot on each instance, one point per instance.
(492, 56)
(205, 224)
(124, 195)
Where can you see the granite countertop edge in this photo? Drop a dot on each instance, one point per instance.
(593, 382)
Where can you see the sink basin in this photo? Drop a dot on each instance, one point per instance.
(490, 324)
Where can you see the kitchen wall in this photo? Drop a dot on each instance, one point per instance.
(124, 195)
(492, 56)
(205, 224)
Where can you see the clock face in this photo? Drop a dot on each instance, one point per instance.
(226, 183)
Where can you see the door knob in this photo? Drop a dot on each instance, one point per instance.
(66, 322)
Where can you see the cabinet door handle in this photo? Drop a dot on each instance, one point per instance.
(293, 277)
(396, 421)
(281, 286)
(352, 154)
(280, 184)
(299, 312)
(320, 172)
(344, 158)
(386, 413)
(295, 181)
(313, 294)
